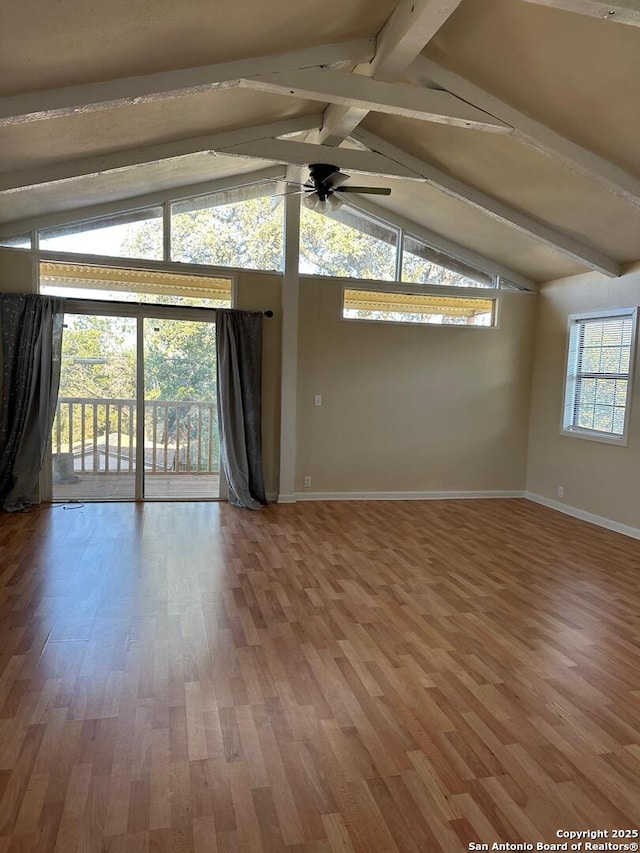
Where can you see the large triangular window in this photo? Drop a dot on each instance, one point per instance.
(421, 264)
(240, 228)
(347, 244)
(135, 234)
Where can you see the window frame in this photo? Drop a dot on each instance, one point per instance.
(261, 187)
(441, 262)
(93, 223)
(357, 211)
(134, 264)
(569, 395)
(420, 290)
(243, 192)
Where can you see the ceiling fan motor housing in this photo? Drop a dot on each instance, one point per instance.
(320, 174)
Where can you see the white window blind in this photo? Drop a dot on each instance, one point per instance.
(599, 368)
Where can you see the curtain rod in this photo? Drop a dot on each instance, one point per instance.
(68, 304)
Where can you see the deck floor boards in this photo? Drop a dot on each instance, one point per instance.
(105, 486)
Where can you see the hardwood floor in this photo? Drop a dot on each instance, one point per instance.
(315, 677)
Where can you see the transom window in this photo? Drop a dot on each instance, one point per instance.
(599, 375)
(81, 281)
(394, 307)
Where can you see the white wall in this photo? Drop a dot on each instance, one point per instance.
(597, 478)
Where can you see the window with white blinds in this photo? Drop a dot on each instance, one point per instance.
(599, 375)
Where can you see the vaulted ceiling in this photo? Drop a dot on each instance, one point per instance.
(507, 128)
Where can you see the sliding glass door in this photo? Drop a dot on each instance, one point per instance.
(181, 445)
(113, 367)
(95, 428)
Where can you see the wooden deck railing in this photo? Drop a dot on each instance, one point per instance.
(99, 435)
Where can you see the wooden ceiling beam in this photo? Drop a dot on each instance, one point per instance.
(302, 153)
(353, 90)
(266, 176)
(69, 100)
(411, 26)
(532, 133)
(618, 12)
(441, 244)
(70, 169)
(493, 207)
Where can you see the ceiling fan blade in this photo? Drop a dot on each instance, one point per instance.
(295, 192)
(365, 190)
(337, 179)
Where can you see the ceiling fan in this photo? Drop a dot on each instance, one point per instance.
(325, 186)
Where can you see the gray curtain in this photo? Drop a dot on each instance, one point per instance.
(239, 357)
(31, 329)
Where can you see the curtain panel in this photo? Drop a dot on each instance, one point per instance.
(239, 365)
(31, 330)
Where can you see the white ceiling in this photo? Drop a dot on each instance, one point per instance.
(576, 76)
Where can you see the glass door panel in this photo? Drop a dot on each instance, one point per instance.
(181, 443)
(94, 432)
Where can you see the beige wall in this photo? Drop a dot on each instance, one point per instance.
(411, 408)
(599, 478)
(405, 408)
(16, 271)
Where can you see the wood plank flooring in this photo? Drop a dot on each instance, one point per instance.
(315, 677)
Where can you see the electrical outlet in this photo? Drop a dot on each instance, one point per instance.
(560, 491)
(317, 401)
(307, 481)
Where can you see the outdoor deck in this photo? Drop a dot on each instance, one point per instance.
(121, 487)
(94, 442)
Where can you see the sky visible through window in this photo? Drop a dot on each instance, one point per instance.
(249, 234)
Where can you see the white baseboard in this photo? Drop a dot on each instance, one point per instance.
(400, 496)
(286, 499)
(583, 515)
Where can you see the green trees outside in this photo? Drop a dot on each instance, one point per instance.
(98, 357)
(99, 364)
(180, 365)
(332, 246)
(248, 234)
(179, 360)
